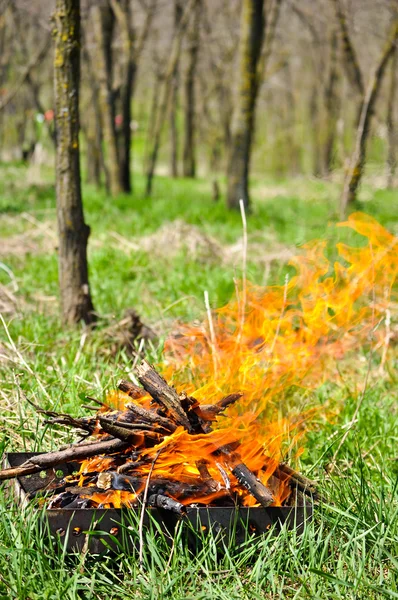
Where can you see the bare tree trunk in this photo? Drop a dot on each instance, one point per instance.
(252, 33)
(189, 159)
(392, 133)
(293, 149)
(76, 303)
(350, 62)
(175, 84)
(164, 94)
(358, 158)
(103, 23)
(93, 130)
(93, 150)
(121, 9)
(315, 120)
(332, 106)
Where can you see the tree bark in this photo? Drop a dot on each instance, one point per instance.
(76, 303)
(93, 131)
(175, 84)
(103, 24)
(391, 126)
(189, 158)
(164, 94)
(357, 162)
(350, 62)
(252, 33)
(332, 106)
(121, 9)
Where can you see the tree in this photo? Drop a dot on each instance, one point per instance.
(358, 158)
(332, 105)
(76, 303)
(164, 94)
(189, 160)
(175, 84)
(252, 33)
(132, 47)
(391, 126)
(103, 21)
(113, 97)
(252, 69)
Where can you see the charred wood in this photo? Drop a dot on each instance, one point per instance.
(138, 413)
(166, 503)
(162, 393)
(130, 389)
(52, 459)
(253, 485)
(302, 483)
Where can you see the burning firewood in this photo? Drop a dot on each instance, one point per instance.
(50, 460)
(162, 393)
(166, 503)
(115, 469)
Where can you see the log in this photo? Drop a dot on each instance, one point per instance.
(166, 503)
(210, 411)
(162, 393)
(134, 437)
(247, 478)
(130, 389)
(211, 483)
(302, 483)
(258, 490)
(128, 483)
(148, 416)
(52, 459)
(135, 427)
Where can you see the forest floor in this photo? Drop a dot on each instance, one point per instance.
(158, 256)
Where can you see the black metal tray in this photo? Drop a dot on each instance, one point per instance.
(104, 528)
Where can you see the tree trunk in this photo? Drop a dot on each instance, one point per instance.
(332, 106)
(189, 160)
(121, 9)
(103, 23)
(93, 151)
(164, 94)
(76, 303)
(252, 33)
(315, 120)
(93, 131)
(358, 158)
(175, 84)
(350, 62)
(392, 133)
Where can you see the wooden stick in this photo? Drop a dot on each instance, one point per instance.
(210, 411)
(247, 478)
(257, 489)
(305, 485)
(118, 431)
(211, 483)
(162, 393)
(68, 421)
(166, 503)
(52, 459)
(149, 416)
(130, 389)
(135, 427)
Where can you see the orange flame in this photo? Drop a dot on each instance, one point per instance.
(289, 340)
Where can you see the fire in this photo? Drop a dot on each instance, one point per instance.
(271, 345)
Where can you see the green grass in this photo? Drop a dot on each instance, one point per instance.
(349, 550)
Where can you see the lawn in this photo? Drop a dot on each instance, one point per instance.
(138, 259)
